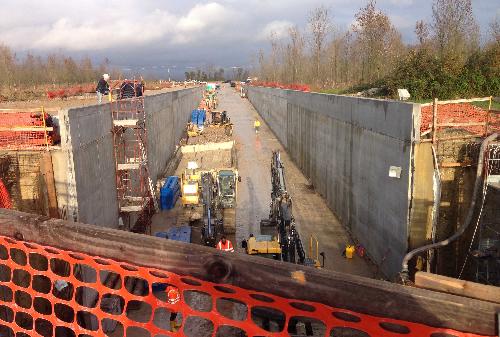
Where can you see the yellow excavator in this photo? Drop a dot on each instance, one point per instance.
(264, 246)
(279, 237)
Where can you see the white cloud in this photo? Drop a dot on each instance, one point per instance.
(278, 27)
(132, 31)
(204, 21)
(125, 26)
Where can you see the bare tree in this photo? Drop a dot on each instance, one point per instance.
(422, 30)
(294, 54)
(319, 25)
(495, 29)
(455, 29)
(379, 43)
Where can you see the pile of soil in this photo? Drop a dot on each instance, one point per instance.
(211, 134)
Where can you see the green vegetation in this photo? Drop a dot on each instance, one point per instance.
(448, 62)
(427, 76)
(485, 105)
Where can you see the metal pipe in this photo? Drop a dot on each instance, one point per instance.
(436, 205)
(468, 219)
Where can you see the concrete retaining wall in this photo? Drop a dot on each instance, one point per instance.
(87, 191)
(167, 115)
(345, 146)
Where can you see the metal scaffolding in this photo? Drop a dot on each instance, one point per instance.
(134, 185)
(487, 253)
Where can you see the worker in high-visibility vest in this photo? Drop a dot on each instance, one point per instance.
(225, 245)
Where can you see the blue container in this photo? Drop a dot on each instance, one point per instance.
(169, 193)
(202, 116)
(194, 116)
(181, 234)
(162, 235)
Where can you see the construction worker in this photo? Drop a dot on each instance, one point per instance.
(256, 125)
(127, 89)
(102, 87)
(140, 87)
(225, 245)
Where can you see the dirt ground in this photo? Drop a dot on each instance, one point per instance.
(70, 102)
(211, 134)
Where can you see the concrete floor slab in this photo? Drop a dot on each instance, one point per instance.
(310, 210)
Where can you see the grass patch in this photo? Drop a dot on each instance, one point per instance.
(333, 91)
(485, 104)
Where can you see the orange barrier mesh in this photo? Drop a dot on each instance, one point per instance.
(50, 292)
(26, 129)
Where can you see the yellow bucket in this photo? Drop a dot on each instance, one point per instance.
(349, 251)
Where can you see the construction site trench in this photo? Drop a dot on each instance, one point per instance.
(251, 155)
(356, 176)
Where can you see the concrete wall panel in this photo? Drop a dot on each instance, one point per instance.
(345, 146)
(88, 140)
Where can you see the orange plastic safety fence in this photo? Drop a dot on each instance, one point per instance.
(50, 292)
(24, 130)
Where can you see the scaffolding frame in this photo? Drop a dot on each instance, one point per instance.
(135, 191)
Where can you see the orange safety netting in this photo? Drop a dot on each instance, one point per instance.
(25, 129)
(5, 201)
(50, 292)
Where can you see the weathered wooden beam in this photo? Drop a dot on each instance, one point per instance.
(461, 124)
(21, 110)
(444, 139)
(457, 164)
(26, 128)
(465, 100)
(457, 287)
(47, 172)
(363, 295)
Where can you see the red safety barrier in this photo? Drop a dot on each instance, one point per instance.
(51, 292)
(290, 86)
(5, 201)
(26, 129)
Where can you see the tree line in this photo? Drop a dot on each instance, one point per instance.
(447, 61)
(212, 74)
(32, 70)
(209, 75)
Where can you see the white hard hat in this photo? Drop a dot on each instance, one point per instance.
(105, 76)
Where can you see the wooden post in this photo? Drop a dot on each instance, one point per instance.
(434, 122)
(47, 172)
(457, 287)
(45, 129)
(487, 118)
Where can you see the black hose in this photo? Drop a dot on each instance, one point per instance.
(468, 219)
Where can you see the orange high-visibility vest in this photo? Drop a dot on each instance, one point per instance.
(227, 247)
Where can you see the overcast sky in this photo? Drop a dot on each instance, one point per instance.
(183, 33)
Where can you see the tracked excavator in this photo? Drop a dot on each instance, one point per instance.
(279, 238)
(218, 188)
(213, 222)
